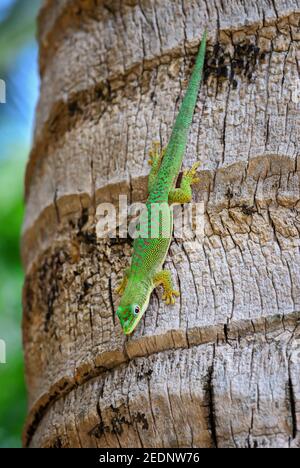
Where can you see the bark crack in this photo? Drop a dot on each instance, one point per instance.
(211, 404)
(292, 399)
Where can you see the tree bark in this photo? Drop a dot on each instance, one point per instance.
(221, 367)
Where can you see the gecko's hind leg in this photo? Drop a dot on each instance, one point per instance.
(184, 193)
(156, 156)
(164, 279)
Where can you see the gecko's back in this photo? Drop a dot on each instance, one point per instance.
(152, 249)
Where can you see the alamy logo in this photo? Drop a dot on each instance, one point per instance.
(2, 92)
(2, 352)
(152, 222)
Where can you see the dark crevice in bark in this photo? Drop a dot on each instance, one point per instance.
(292, 400)
(99, 430)
(57, 444)
(56, 206)
(111, 300)
(211, 407)
(226, 330)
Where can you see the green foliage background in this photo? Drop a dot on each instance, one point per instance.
(12, 392)
(17, 31)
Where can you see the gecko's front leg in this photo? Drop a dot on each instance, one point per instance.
(184, 193)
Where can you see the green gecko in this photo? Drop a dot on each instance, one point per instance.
(149, 251)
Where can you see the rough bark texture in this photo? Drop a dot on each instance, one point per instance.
(221, 368)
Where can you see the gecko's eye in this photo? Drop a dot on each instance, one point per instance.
(136, 310)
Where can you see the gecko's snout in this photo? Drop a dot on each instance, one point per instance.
(129, 317)
(127, 329)
(125, 319)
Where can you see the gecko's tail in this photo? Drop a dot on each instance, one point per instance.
(178, 141)
(185, 116)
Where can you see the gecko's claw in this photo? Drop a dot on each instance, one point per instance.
(151, 157)
(119, 290)
(156, 155)
(191, 174)
(169, 297)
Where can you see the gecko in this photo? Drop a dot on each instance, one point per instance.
(150, 251)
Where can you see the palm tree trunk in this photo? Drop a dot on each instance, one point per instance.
(221, 367)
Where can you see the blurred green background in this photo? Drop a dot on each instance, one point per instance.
(19, 70)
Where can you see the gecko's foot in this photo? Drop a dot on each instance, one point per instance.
(169, 296)
(190, 175)
(156, 155)
(120, 289)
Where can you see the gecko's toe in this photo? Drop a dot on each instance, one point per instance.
(119, 290)
(169, 297)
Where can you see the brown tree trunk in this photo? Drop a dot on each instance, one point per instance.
(221, 367)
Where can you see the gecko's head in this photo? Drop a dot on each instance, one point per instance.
(130, 315)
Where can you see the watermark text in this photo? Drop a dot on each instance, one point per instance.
(150, 221)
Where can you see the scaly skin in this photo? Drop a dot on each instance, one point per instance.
(151, 248)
